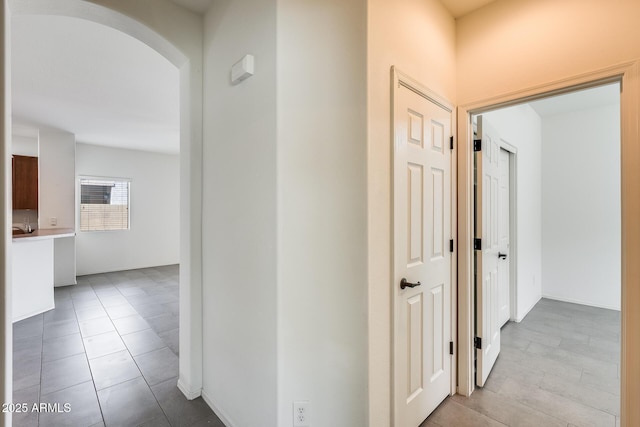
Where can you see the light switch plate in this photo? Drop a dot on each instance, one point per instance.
(53, 221)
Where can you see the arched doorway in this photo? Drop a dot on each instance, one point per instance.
(170, 31)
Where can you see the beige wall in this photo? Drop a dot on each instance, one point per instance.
(510, 46)
(418, 37)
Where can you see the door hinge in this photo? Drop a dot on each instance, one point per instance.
(451, 245)
(477, 145)
(477, 244)
(451, 348)
(477, 343)
(451, 142)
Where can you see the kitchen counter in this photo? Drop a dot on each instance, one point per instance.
(49, 233)
(33, 270)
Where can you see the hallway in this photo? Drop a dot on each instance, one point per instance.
(559, 367)
(110, 350)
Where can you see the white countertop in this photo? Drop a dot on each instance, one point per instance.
(49, 233)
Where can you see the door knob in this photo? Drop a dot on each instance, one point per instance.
(405, 284)
(502, 256)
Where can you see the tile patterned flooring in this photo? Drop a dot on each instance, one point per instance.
(110, 349)
(558, 367)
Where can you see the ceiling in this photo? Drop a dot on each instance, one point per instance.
(110, 89)
(580, 100)
(96, 82)
(198, 6)
(459, 8)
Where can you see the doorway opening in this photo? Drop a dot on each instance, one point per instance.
(107, 143)
(187, 180)
(571, 190)
(523, 298)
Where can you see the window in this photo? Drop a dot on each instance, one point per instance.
(104, 204)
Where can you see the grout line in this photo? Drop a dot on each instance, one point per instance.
(577, 321)
(41, 363)
(139, 369)
(136, 362)
(93, 381)
(165, 276)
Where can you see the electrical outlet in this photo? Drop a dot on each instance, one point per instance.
(53, 221)
(301, 413)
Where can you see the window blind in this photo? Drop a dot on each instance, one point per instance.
(104, 204)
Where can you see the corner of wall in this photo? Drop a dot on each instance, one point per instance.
(239, 214)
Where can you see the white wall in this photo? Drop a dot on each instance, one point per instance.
(521, 127)
(64, 250)
(239, 212)
(154, 237)
(56, 184)
(322, 241)
(6, 353)
(24, 145)
(418, 37)
(285, 251)
(56, 196)
(581, 206)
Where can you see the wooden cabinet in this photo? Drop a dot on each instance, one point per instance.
(25, 182)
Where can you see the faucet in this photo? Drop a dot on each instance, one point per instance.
(27, 225)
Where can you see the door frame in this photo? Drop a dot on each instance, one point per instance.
(627, 75)
(513, 228)
(400, 78)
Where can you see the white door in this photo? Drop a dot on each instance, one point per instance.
(422, 261)
(487, 250)
(504, 291)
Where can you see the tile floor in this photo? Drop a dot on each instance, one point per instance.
(110, 350)
(558, 367)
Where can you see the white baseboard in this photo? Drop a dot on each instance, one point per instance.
(186, 390)
(223, 417)
(573, 301)
(73, 283)
(521, 318)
